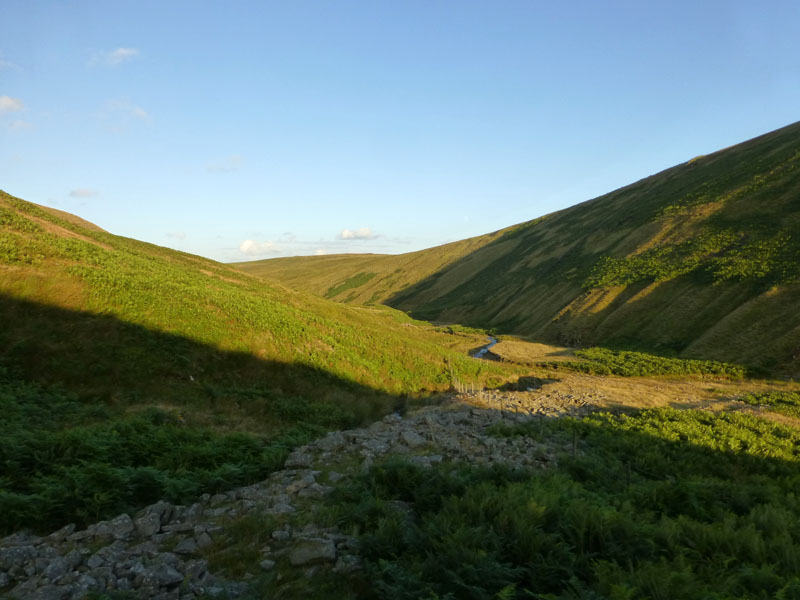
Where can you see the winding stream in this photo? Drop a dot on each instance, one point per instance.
(485, 349)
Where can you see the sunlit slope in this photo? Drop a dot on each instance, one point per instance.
(118, 317)
(702, 259)
(363, 278)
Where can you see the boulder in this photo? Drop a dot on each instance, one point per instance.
(312, 550)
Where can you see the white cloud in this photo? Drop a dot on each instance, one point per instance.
(7, 65)
(177, 235)
(364, 233)
(115, 57)
(252, 248)
(320, 252)
(139, 113)
(9, 104)
(229, 164)
(83, 193)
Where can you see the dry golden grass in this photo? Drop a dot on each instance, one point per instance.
(619, 393)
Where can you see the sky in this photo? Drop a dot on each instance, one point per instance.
(248, 130)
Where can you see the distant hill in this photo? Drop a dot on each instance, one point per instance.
(364, 278)
(702, 260)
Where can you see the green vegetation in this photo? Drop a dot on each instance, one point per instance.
(786, 403)
(348, 284)
(130, 372)
(602, 361)
(702, 259)
(661, 504)
(724, 256)
(66, 460)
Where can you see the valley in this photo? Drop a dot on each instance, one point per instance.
(599, 403)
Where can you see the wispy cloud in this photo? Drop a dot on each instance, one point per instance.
(9, 104)
(114, 57)
(83, 193)
(177, 235)
(364, 233)
(320, 252)
(7, 65)
(253, 248)
(119, 114)
(229, 164)
(20, 125)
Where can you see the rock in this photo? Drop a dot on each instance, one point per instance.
(202, 539)
(196, 569)
(267, 564)
(164, 510)
(79, 536)
(297, 485)
(57, 568)
(299, 460)
(50, 592)
(167, 576)
(95, 561)
(315, 490)
(11, 558)
(333, 476)
(178, 528)
(119, 528)
(280, 509)
(5, 580)
(312, 550)
(281, 535)
(412, 439)
(375, 446)
(148, 524)
(59, 536)
(331, 442)
(186, 546)
(218, 499)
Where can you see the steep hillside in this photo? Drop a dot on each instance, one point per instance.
(364, 278)
(702, 259)
(130, 372)
(49, 265)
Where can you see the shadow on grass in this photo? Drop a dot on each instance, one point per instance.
(122, 364)
(100, 416)
(662, 504)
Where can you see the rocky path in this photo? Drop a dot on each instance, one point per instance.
(163, 551)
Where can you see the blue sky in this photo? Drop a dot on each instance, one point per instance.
(243, 130)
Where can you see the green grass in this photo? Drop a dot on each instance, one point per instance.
(661, 504)
(786, 403)
(132, 372)
(67, 460)
(623, 363)
(350, 283)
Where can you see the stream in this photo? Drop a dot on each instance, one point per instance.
(485, 349)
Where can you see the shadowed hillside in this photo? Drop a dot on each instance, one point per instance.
(130, 372)
(702, 259)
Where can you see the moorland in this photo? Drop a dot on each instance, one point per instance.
(633, 434)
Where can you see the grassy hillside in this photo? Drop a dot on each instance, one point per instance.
(702, 260)
(363, 278)
(125, 368)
